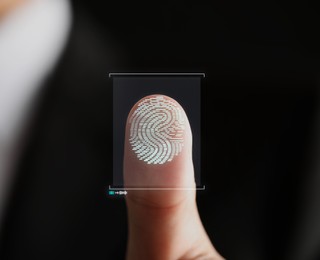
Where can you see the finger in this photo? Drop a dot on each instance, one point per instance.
(163, 224)
(158, 151)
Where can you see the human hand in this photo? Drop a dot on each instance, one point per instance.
(163, 224)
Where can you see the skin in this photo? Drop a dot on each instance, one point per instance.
(164, 224)
(6, 6)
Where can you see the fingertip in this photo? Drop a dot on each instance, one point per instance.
(158, 144)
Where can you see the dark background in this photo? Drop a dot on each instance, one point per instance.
(128, 90)
(261, 93)
(259, 160)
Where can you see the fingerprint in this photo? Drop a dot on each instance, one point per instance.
(156, 130)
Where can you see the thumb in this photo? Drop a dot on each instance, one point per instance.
(163, 218)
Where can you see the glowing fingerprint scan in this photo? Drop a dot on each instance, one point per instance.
(156, 130)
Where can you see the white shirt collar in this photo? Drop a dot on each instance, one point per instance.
(31, 41)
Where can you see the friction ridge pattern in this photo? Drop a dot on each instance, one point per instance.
(156, 130)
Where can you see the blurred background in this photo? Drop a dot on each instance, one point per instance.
(260, 121)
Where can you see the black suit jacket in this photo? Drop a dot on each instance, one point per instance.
(59, 208)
